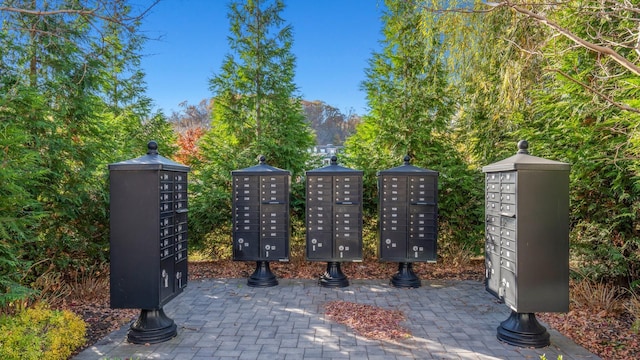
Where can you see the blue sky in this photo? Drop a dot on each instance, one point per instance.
(333, 40)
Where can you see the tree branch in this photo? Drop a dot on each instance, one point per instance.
(47, 13)
(79, 12)
(571, 36)
(601, 95)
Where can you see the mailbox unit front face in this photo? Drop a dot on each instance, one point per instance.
(500, 234)
(527, 238)
(408, 217)
(148, 222)
(260, 217)
(334, 216)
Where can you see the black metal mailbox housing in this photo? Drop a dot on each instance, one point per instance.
(408, 213)
(527, 236)
(261, 213)
(408, 219)
(261, 227)
(334, 218)
(334, 213)
(148, 224)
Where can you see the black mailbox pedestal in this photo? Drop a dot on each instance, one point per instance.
(148, 223)
(261, 219)
(408, 215)
(527, 242)
(334, 219)
(152, 326)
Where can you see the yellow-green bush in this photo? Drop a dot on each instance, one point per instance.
(40, 333)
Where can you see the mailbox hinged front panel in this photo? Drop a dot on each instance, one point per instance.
(334, 214)
(408, 214)
(527, 233)
(261, 213)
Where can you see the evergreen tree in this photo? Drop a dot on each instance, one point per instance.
(62, 126)
(55, 74)
(412, 107)
(20, 170)
(586, 113)
(256, 111)
(532, 71)
(123, 89)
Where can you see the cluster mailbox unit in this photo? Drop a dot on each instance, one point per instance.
(334, 219)
(408, 216)
(261, 219)
(527, 242)
(148, 223)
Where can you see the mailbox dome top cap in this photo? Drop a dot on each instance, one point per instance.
(523, 147)
(522, 160)
(151, 161)
(261, 169)
(152, 148)
(407, 169)
(334, 169)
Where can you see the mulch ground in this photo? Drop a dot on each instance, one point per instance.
(607, 335)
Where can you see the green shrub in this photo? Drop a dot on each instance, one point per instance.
(40, 333)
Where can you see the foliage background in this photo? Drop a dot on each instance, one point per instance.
(455, 86)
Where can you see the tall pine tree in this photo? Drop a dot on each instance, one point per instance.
(256, 111)
(56, 77)
(412, 106)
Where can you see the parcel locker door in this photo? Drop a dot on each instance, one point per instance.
(182, 275)
(167, 279)
(246, 245)
(393, 240)
(319, 246)
(273, 249)
(492, 269)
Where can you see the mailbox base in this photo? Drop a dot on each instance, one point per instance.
(262, 276)
(523, 330)
(152, 327)
(333, 277)
(405, 278)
